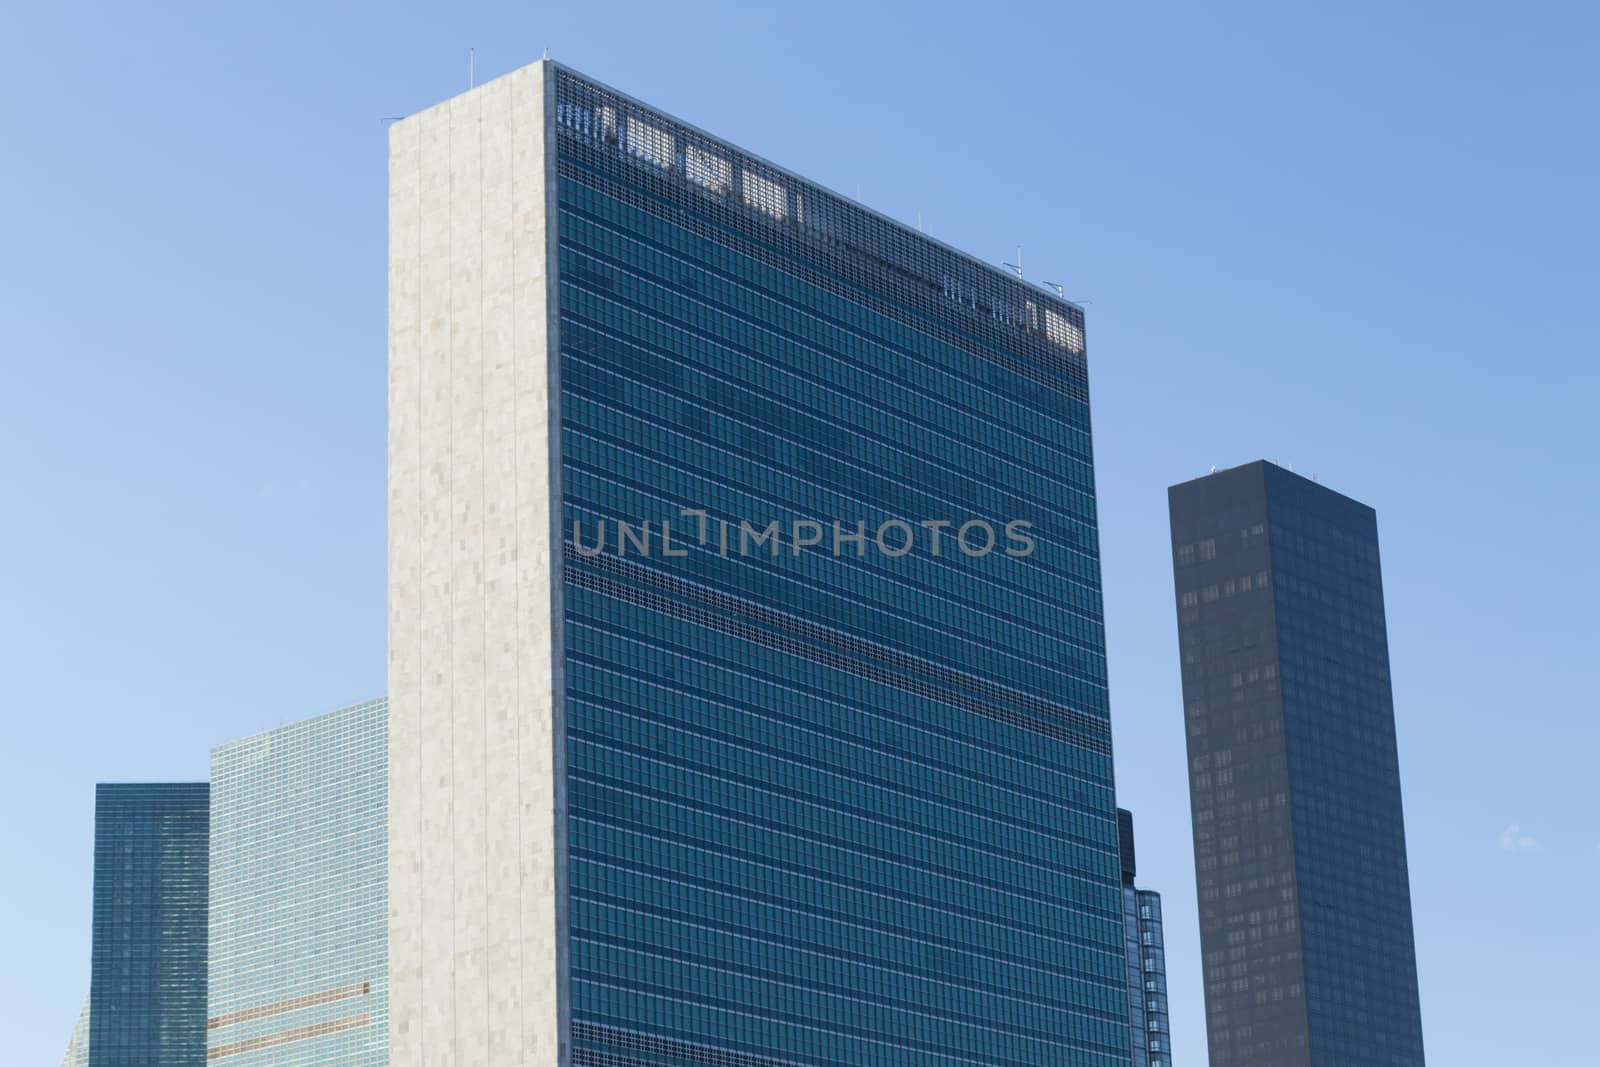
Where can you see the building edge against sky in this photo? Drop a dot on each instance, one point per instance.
(1299, 835)
(298, 915)
(77, 1054)
(1148, 1017)
(683, 258)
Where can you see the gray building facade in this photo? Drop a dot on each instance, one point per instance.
(1305, 912)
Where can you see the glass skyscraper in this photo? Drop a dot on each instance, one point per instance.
(1305, 908)
(298, 913)
(77, 1054)
(147, 979)
(1147, 959)
(837, 794)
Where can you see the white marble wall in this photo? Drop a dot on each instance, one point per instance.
(476, 818)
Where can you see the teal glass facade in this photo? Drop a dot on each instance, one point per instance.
(823, 810)
(147, 984)
(299, 912)
(1148, 1015)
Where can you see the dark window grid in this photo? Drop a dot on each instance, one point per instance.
(1043, 905)
(714, 663)
(875, 284)
(874, 608)
(875, 721)
(601, 256)
(719, 733)
(621, 372)
(1072, 523)
(790, 1008)
(1052, 633)
(625, 867)
(768, 627)
(1010, 992)
(882, 388)
(596, 489)
(828, 822)
(630, 904)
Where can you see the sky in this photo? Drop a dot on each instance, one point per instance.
(1356, 238)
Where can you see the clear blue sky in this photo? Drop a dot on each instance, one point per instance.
(1355, 238)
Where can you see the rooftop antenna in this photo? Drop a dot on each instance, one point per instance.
(1017, 266)
(472, 68)
(547, 51)
(1061, 292)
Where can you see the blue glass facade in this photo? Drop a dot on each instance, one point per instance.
(1152, 988)
(147, 986)
(1145, 943)
(822, 809)
(299, 907)
(1305, 909)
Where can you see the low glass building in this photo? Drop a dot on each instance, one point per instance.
(298, 921)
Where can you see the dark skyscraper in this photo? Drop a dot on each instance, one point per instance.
(1300, 855)
(147, 984)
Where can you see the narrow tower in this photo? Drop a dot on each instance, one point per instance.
(1299, 839)
(147, 980)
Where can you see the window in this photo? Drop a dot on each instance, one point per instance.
(649, 143)
(765, 195)
(706, 170)
(1060, 330)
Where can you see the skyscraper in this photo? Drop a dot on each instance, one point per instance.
(298, 914)
(77, 1054)
(1305, 907)
(1148, 1017)
(840, 798)
(147, 977)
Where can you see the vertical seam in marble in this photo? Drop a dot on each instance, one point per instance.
(483, 577)
(416, 581)
(450, 545)
(516, 585)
